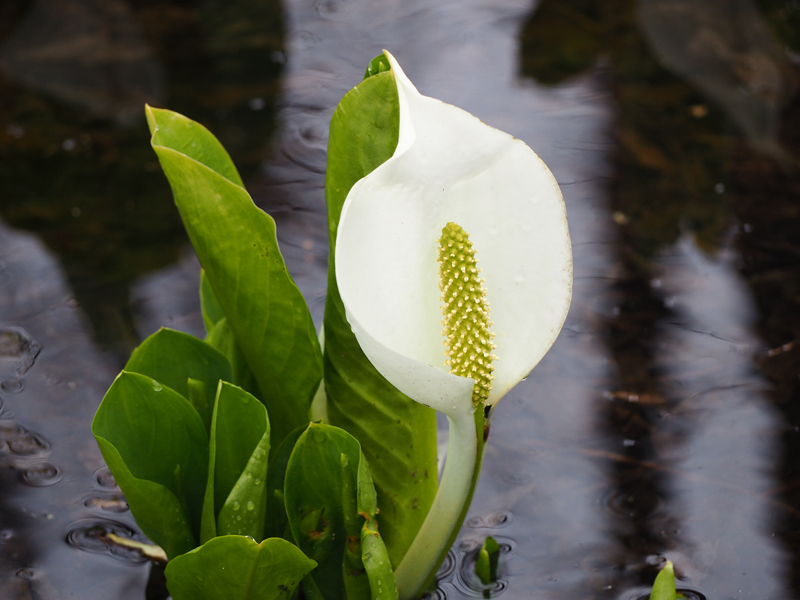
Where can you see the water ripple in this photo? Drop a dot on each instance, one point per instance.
(107, 502)
(41, 474)
(90, 535)
(16, 439)
(105, 479)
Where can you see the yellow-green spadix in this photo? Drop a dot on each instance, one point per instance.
(449, 167)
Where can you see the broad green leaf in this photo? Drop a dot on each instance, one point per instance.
(155, 444)
(172, 357)
(375, 558)
(209, 305)
(397, 435)
(237, 472)
(223, 339)
(237, 568)
(237, 246)
(314, 503)
(276, 519)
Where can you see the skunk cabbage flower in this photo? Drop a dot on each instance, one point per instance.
(449, 167)
(454, 265)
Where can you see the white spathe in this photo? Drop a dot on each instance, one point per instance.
(449, 166)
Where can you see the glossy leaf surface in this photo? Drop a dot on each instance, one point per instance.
(397, 435)
(664, 585)
(486, 566)
(236, 567)
(235, 500)
(375, 559)
(223, 339)
(276, 519)
(172, 357)
(314, 503)
(237, 246)
(155, 444)
(209, 305)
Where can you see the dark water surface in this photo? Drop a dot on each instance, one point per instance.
(664, 423)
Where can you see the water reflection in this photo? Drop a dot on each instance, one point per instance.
(725, 422)
(654, 426)
(75, 163)
(673, 168)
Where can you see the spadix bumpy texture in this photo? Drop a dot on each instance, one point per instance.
(466, 312)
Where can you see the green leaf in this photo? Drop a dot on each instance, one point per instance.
(276, 519)
(314, 504)
(172, 357)
(237, 568)
(237, 472)
(664, 585)
(155, 444)
(356, 585)
(209, 305)
(223, 339)
(375, 558)
(379, 64)
(486, 567)
(237, 246)
(397, 435)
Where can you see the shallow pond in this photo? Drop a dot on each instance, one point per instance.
(665, 421)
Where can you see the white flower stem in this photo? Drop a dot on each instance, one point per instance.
(464, 453)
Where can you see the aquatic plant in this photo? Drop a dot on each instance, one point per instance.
(211, 440)
(664, 585)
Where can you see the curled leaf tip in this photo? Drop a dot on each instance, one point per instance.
(379, 64)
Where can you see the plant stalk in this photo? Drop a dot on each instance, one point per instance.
(438, 532)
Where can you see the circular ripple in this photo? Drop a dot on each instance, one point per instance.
(26, 574)
(499, 520)
(493, 521)
(105, 479)
(6, 535)
(18, 345)
(41, 474)
(643, 503)
(435, 594)
(468, 582)
(645, 595)
(107, 502)
(333, 9)
(691, 594)
(90, 535)
(12, 385)
(448, 566)
(466, 579)
(18, 440)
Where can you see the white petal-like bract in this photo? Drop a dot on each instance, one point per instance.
(451, 167)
